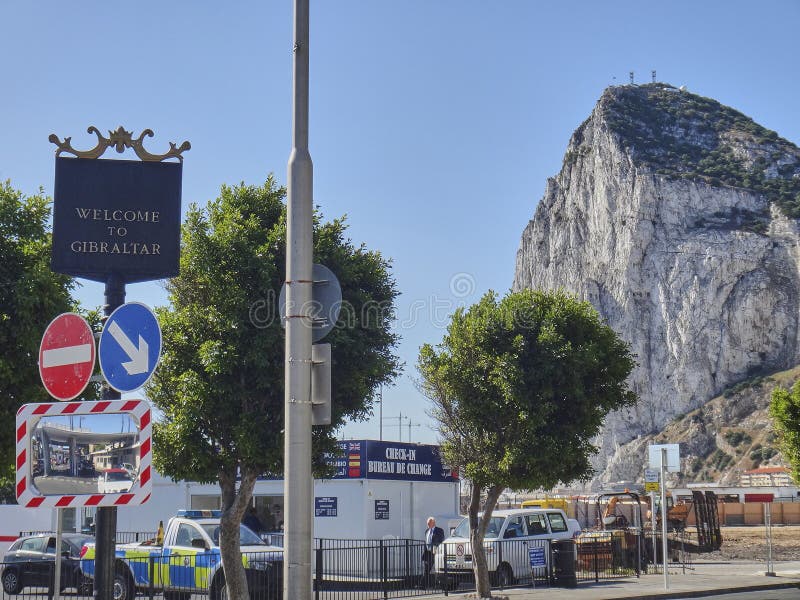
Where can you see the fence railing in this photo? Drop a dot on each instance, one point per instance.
(351, 569)
(122, 537)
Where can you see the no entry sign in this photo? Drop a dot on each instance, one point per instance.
(66, 356)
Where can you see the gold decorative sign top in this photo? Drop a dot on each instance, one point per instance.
(119, 139)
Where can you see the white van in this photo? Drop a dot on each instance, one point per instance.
(509, 536)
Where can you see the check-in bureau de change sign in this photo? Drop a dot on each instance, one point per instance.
(116, 216)
(399, 461)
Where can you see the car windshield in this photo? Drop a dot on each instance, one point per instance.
(246, 536)
(117, 476)
(492, 531)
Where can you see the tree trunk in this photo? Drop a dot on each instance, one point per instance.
(477, 531)
(234, 504)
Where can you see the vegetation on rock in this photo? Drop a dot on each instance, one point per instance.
(683, 135)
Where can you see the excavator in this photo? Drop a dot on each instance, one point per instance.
(619, 540)
(677, 513)
(704, 505)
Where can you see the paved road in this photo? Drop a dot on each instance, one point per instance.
(787, 594)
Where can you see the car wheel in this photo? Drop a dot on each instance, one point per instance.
(12, 584)
(505, 576)
(123, 586)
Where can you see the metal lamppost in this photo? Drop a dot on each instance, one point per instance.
(298, 482)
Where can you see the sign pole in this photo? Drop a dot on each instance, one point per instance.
(299, 486)
(664, 544)
(115, 222)
(768, 528)
(57, 567)
(106, 519)
(653, 526)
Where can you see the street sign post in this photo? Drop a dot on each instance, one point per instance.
(116, 222)
(130, 347)
(66, 356)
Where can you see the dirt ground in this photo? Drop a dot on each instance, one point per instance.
(750, 543)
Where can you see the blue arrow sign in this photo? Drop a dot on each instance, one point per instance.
(130, 347)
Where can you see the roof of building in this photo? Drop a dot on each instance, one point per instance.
(766, 470)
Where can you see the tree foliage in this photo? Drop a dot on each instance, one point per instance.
(220, 385)
(519, 388)
(31, 295)
(785, 410)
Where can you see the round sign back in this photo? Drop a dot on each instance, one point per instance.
(66, 356)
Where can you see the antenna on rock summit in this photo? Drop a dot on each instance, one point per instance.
(653, 73)
(631, 76)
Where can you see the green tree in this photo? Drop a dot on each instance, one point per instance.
(519, 388)
(31, 295)
(220, 385)
(785, 410)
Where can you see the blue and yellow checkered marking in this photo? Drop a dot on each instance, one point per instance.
(178, 569)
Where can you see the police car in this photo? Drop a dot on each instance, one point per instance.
(189, 561)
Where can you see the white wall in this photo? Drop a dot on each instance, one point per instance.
(15, 518)
(166, 499)
(410, 503)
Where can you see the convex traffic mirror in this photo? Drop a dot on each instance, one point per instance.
(84, 453)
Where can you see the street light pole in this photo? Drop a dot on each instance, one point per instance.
(298, 486)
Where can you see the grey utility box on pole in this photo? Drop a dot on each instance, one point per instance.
(321, 384)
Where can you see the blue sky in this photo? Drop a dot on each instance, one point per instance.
(434, 123)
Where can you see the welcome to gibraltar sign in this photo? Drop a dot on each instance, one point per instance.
(117, 217)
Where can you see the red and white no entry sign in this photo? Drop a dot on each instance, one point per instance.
(66, 356)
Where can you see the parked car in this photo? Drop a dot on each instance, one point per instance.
(509, 536)
(189, 561)
(114, 481)
(30, 562)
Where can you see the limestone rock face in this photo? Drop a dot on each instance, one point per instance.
(676, 218)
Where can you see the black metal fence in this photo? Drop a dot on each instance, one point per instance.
(355, 569)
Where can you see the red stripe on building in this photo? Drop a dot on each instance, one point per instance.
(759, 497)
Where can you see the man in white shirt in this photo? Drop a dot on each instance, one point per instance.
(433, 537)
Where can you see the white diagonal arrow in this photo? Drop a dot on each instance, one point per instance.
(138, 356)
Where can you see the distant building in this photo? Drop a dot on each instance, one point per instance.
(766, 476)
